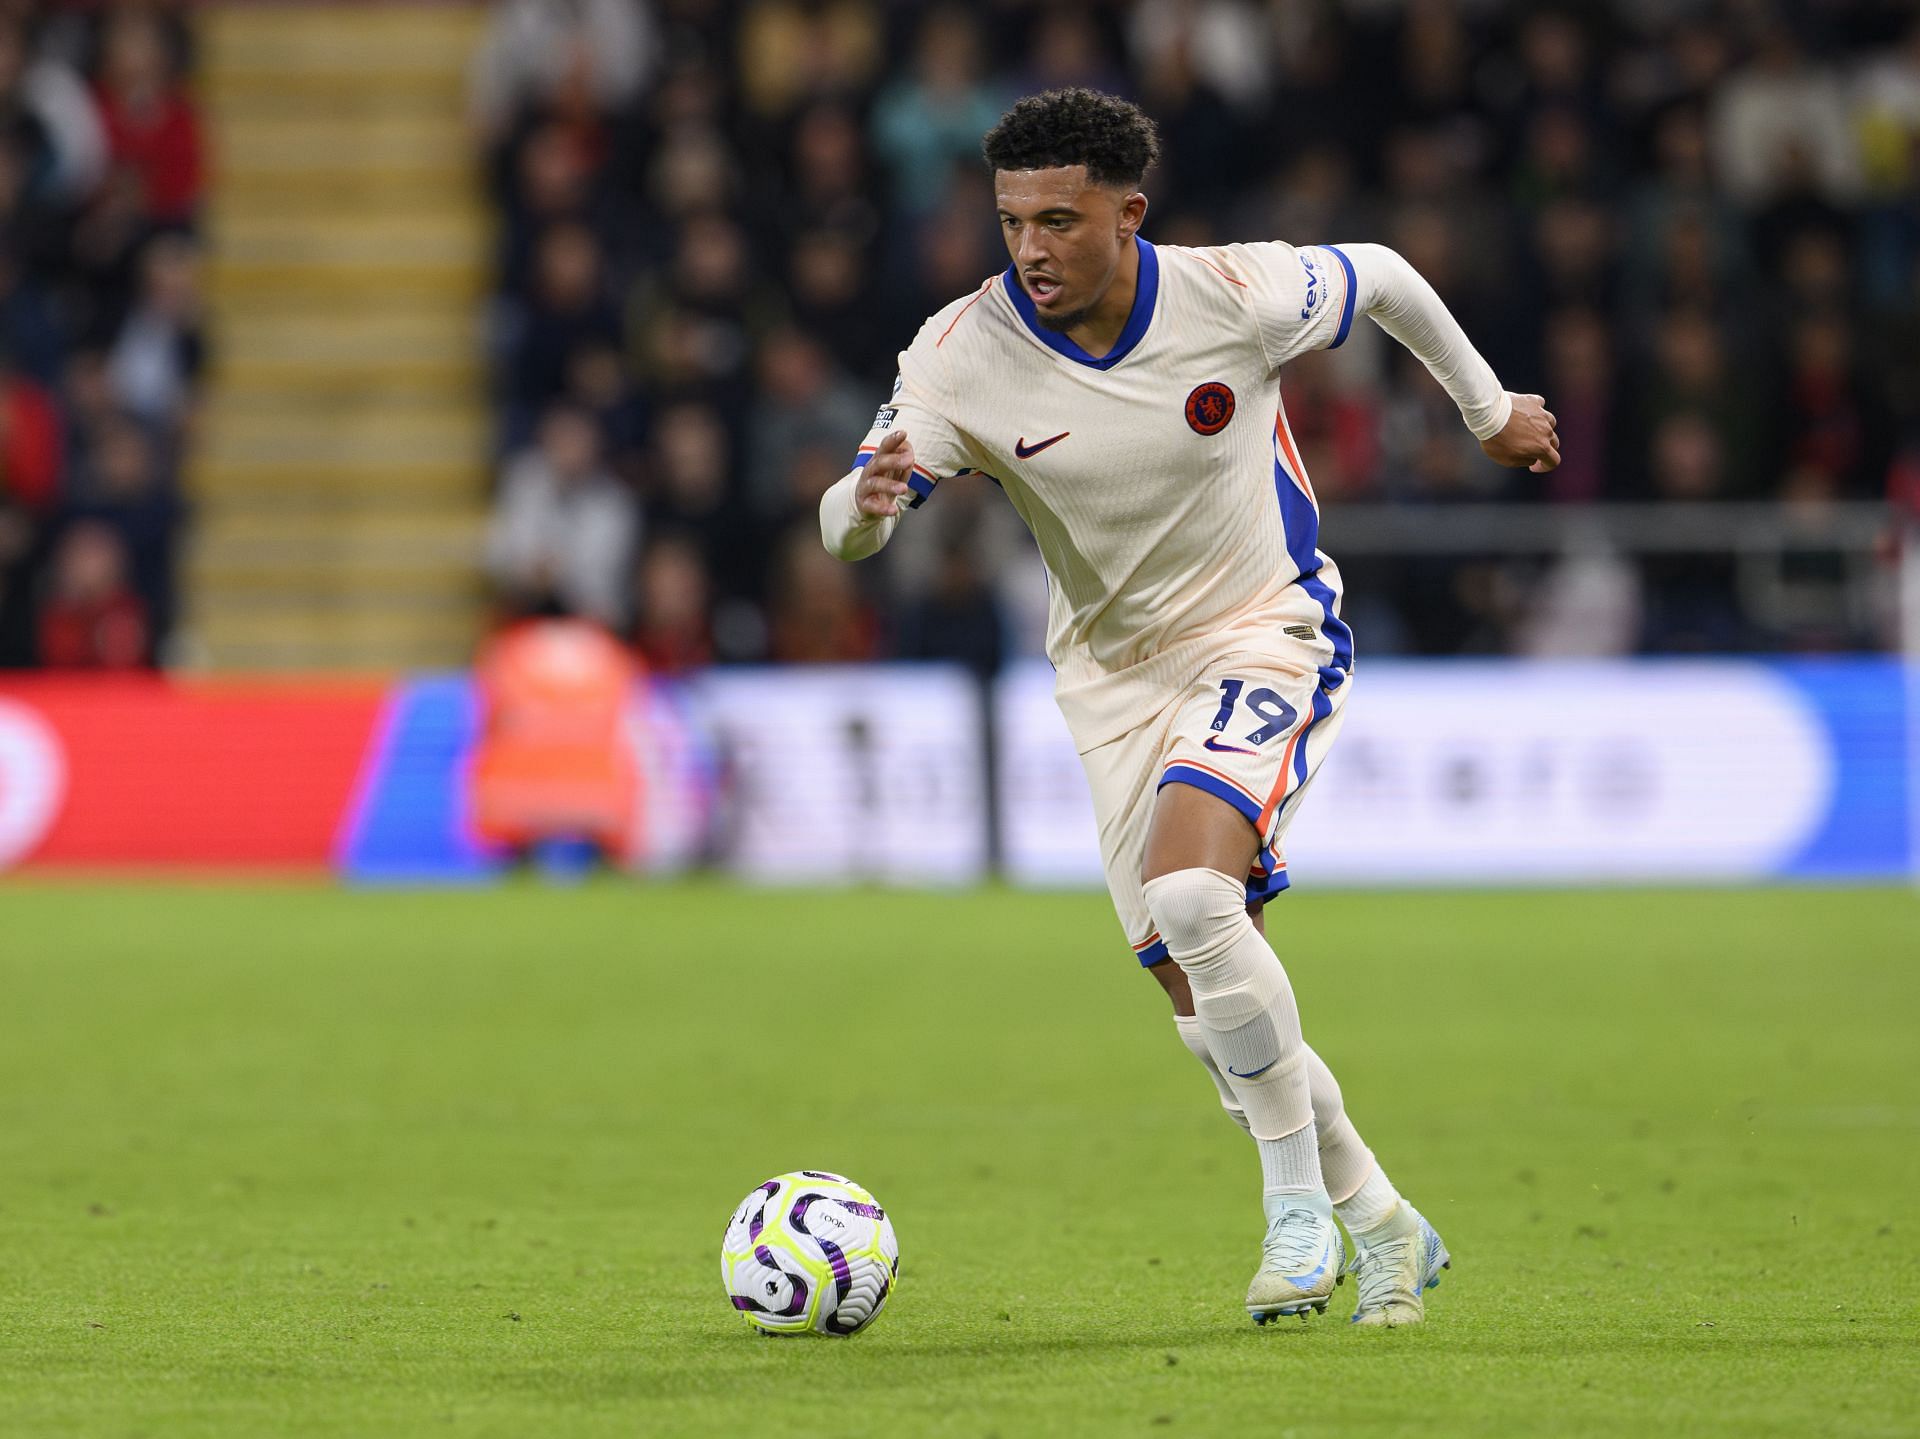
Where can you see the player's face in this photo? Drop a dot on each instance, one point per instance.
(1066, 236)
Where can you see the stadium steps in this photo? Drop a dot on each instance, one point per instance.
(340, 476)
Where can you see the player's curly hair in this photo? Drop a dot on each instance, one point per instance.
(1112, 137)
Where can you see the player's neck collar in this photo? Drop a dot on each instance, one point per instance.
(1146, 292)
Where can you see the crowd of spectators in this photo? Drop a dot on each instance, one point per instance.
(1694, 226)
(101, 173)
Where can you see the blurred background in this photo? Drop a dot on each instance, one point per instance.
(496, 356)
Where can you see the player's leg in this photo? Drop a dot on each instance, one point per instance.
(1199, 851)
(1397, 1254)
(1186, 1023)
(1354, 1181)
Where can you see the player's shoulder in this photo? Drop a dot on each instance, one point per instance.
(1243, 265)
(958, 326)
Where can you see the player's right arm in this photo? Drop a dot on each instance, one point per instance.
(910, 449)
(858, 514)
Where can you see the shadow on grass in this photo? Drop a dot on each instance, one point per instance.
(715, 1366)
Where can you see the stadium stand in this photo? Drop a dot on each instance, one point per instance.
(705, 227)
(101, 345)
(1693, 227)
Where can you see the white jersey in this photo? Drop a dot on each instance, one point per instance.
(1160, 480)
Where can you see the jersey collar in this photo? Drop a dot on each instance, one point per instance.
(1146, 292)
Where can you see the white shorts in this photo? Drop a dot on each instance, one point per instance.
(1252, 734)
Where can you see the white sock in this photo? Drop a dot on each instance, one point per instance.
(1246, 1012)
(1290, 1165)
(1345, 1161)
(1346, 1164)
(1196, 1043)
(1369, 1206)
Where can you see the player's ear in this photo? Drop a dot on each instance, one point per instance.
(1133, 210)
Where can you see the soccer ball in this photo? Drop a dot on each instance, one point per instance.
(809, 1253)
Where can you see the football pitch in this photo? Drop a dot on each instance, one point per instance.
(291, 1160)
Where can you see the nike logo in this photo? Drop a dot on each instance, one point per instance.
(1254, 1073)
(1307, 1281)
(1022, 450)
(1216, 746)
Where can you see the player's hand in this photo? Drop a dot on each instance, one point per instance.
(1529, 437)
(884, 480)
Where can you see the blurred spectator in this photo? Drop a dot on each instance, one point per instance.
(693, 325)
(794, 50)
(124, 486)
(1887, 116)
(804, 401)
(91, 617)
(156, 361)
(1679, 189)
(693, 170)
(1579, 376)
(102, 255)
(1688, 458)
(829, 182)
(817, 614)
(947, 254)
(1200, 170)
(560, 54)
(152, 126)
(1886, 112)
(830, 280)
(30, 490)
(673, 595)
(1830, 431)
(957, 619)
(20, 536)
(597, 382)
(1690, 372)
(688, 471)
(1066, 46)
(1223, 48)
(48, 114)
(564, 528)
(554, 179)
(930, 119)
(567, 311)
(32, 445)
(87, 389)
(1587, 606)
(30, 332)
(1336, 425)
(1779, 119)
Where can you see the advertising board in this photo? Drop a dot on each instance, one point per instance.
(1459, 773)
(1500, 772)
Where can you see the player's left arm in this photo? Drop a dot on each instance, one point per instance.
(1513, 429)
(1307, 298)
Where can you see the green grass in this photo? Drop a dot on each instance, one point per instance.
(282, 1160)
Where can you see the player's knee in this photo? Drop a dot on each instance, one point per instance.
(1199, 913)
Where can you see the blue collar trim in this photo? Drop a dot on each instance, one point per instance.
(1146, 292)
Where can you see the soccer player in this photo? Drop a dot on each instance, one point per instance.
(1126, 397)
